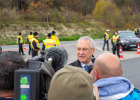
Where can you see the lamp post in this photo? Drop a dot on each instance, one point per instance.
(48, 17)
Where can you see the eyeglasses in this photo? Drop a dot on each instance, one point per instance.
(83, 49)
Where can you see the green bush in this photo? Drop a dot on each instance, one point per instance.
(97, 35)
(56, 16)
(70, 38)
(7, 24)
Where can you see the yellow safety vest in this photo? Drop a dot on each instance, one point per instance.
(30, 38)
(115, 38)
(55, 38)
(21, 40)
(106, 35)
(48, 43)
(37, 43)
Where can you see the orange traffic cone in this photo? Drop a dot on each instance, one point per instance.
(24, 48)
(138, 49)
(120, 53)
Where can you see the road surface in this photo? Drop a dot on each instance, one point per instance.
(130, 63)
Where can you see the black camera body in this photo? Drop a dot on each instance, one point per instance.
(33, 83)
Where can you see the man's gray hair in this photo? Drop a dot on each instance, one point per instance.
(87, 38)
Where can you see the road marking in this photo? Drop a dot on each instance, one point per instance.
(101, 50)
(106, 52)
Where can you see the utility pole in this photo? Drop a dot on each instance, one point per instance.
(48, 17)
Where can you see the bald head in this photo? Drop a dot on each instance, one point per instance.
(107, 65)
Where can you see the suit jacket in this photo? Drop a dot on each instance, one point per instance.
(77, 63)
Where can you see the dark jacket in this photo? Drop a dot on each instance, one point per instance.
(117, 43)
(35, 45)
(78, 64)
(0, 50)
(1, 98)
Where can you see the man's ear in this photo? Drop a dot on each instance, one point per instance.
(96, 76)
(93, 50)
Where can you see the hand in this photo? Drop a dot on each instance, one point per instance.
(114, 45)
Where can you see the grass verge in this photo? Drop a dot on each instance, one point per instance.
(41, 38)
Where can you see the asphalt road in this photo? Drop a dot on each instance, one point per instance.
(130, 63)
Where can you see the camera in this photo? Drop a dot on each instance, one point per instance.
(33, 83)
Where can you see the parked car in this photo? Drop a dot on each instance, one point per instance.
(128, 39)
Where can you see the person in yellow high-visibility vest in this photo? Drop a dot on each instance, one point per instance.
(35, 45)
(106, 39)
(29, 41)
(136, 31)
(116, 43)
(55, 38)
(20, 43)
(48, 42)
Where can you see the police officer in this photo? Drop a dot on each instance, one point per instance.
(0, 50)
(29, 41)
(48, 42)
(35, 45)
(20, 43)
(116, 43)
(55, 38)
(136, 31)
(106, 39)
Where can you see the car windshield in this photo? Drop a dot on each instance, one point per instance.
(127, 34)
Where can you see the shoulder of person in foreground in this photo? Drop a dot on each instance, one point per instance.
(71, 83)
(108, 77)
(9, 62)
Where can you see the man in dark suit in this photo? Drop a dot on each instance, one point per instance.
(85, 50)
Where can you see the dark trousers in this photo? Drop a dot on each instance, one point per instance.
(20, 48)
(117, 47)
(0, 50)
(106, 42)
(30, 50)
(34, 53)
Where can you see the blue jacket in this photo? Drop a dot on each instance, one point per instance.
(117, 88)
(134, 95)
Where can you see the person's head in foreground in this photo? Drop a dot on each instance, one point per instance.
(71, 83)
(9, 62)
(107, 75)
